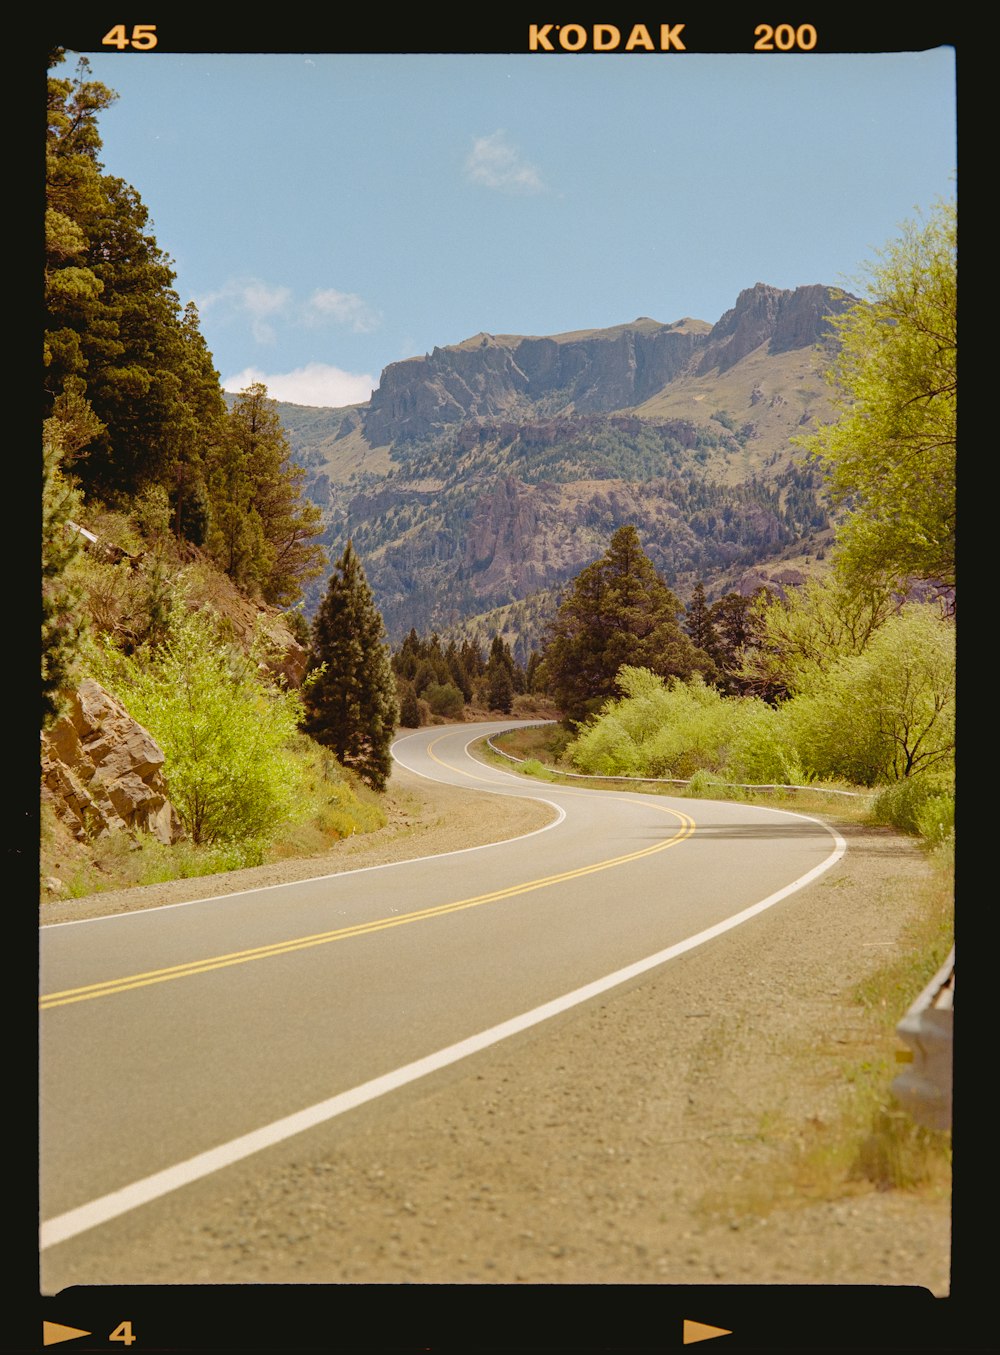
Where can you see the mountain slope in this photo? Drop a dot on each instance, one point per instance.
(489, 470)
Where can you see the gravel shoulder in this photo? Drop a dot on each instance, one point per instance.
(656, 1135)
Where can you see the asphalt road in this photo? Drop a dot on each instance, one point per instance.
(177, 1040)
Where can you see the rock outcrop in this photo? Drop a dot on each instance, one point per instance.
(783, 319)
(593, 371)
(102, 772)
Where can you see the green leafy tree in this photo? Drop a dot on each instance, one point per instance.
(445, 699)
(887, 713)
(619, 612)
(890, 456)
(350, 690)
(798, 637)
(223, 725)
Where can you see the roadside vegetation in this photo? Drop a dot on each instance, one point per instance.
(176, 547)
(332, 804)
(846, 682)
(870, 1142)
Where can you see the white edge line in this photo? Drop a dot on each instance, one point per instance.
(358, 870)
(118, 1202)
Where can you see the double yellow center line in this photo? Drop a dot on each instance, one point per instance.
(183, 971)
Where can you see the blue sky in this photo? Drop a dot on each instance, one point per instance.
(331, 214)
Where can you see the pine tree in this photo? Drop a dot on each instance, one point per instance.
(619, 612)
(115, 333)
(262, 531)
(699, 622)
(61, 618)
(351, 703)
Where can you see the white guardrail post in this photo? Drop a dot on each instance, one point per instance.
(924, 1086)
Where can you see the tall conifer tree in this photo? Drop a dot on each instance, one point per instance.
(619, 612)
(351, 704)
(263, 531)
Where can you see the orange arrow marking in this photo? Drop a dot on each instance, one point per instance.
(701, 1331)
(54, 1331)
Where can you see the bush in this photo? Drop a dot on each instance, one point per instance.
(936, 818)
(672, 729)
(223, 724)
(921, 805)
(444, 698)
(762, 751)
(886, 714)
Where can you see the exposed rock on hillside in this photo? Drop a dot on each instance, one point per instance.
(102, 772)
(762, 314)
(494, 469)
(491, 375)
(592, 371)
(246, 620)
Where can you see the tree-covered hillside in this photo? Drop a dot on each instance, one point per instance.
(176, 543)
(494, 470)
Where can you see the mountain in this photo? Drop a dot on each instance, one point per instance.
(492, 470)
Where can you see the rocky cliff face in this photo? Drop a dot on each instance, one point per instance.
(495, 469)
(595, 371)
(489, 377)
(102, 772)
(782, 319)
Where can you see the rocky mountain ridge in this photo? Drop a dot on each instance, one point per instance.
(490, 469)
(593, 371)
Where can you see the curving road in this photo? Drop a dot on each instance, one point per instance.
(178, 1040)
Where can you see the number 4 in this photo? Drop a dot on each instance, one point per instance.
(123, 1333)
(143, 37)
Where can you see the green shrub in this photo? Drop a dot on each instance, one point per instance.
(936, 818)
(673, 729)
(886, 714)
(762, 751)
(919, 805)
(444, 698)
(224, 725)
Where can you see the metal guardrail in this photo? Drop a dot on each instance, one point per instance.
(924, 1088)
(665, 780)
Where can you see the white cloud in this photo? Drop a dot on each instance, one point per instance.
(495, 163)
(258, 302)
(262, 307)
(314, 384)
(345, 308)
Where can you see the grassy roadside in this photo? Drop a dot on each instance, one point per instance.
(333, 804)
(871, 1143)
